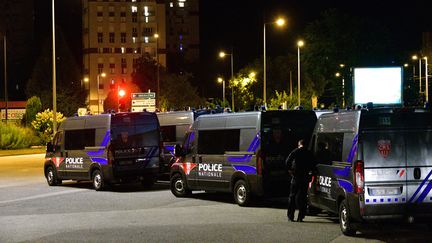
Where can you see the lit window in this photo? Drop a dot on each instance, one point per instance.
(134, 9)
(134, 39)
(146, 19)
(171, 4)
(133, 1)
(146, 12)
(181, 4)
(181, 47)
(146, 39)
(123, 50)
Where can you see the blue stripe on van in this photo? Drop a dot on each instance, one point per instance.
(104, 143)
(346, 185)
(247, 169)
(342, 172)
(419, 188)
(425, 192)
(253, 146)
(102, 161)
(353, 149)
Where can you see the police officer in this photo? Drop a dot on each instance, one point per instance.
(300, 163)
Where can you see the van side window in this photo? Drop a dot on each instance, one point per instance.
(188, 142)
(78, 139)
(218, 141)
(58, 140)
(168, 133)
(329, 147)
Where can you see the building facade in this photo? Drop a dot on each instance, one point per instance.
(116, 33)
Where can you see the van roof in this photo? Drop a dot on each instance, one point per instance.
(175, 117)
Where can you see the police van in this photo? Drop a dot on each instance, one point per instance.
(173, 126)
(241, 153)
(105, 149)
(373, 165)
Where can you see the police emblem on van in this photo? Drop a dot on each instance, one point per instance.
(384, 147)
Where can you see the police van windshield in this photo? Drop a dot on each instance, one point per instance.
(133, 130)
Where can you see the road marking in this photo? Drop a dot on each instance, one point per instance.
(41, 196)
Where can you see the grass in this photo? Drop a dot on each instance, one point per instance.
(9, 152)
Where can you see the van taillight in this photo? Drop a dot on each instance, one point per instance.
(110, 155)
(259, 164)
(359, 176)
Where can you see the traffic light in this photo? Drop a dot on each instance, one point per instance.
(121, 93)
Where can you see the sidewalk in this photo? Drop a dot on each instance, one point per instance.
(38, 150)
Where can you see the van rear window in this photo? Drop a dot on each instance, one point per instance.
(396, 120)
(135, 130)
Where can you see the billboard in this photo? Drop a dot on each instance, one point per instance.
(381, 85)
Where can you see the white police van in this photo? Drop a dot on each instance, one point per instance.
(242, 153)
(373, 165)
(173, 126)
(106, 148)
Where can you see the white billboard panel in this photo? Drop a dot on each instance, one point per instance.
(378, 85)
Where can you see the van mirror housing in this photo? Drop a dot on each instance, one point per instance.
(49, 147)
(178, 150)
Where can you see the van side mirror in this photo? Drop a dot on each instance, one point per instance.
(178, 150)
(50, 147)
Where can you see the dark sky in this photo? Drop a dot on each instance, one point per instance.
(238, 24)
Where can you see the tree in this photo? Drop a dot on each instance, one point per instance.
(33, 106)
(43, 124)
(178, 93)
(145, 73)
(70, 93)
(338, 38)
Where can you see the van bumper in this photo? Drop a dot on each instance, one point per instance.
(401, 212)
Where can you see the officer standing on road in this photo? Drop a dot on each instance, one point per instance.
(300, 163)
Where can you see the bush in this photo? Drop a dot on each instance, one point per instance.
(33, 106)
(15, 137)
(43, 124)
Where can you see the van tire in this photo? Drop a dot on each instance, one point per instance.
(51, 177)
(178, 186)
(345, 223)
(98, 180)
(242, 195)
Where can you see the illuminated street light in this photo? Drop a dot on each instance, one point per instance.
(415, 57)
(337, 74)
(278, 22)
(156, 36)
(222, 54)
(300, 43)
(103, 75)
(426, 78)
(221, 80)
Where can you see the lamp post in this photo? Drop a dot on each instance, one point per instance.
(426, 80)
(415, 57)
(278, 22)
(98, 85)
(222, 55)
(5, 78)
(221, 80)
(54, 91)
(300, 43)
(156, 36)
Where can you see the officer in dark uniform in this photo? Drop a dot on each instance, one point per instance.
(300, 163)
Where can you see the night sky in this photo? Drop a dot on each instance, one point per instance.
(238, 24)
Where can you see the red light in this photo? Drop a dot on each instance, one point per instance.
(122, 93)
(359, 176)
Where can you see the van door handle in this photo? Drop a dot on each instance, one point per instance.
(417, 173)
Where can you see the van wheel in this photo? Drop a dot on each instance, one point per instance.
(51, 177)
(242, 193)
(178, 186)
(345, 220)
(98, 180)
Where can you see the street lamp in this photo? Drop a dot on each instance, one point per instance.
(54, 80)
(103, 75)
(426, 78)
(156, 36)
(300, 43)
(278, 22)
(222, 54)
(415, 57)
(221, 80)
(5, 78)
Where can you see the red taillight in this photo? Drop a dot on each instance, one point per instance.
(359, 176)
(110, 155)
(260, 159)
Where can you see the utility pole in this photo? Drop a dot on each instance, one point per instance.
(5, 78)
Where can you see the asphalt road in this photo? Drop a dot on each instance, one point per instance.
(31, 211)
